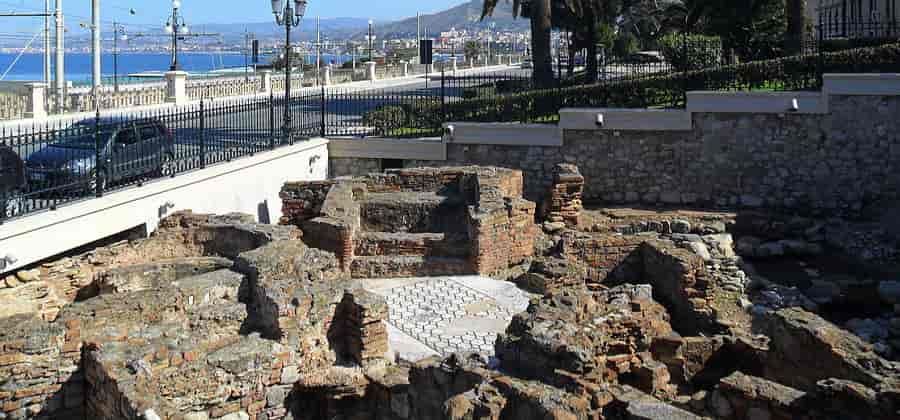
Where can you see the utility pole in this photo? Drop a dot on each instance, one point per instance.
(60, 59)
(418, 35)
(246, 55)
(318, 48)
(48, 53)
(96, 76)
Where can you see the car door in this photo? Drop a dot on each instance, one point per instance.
(150, 145)
(126, 152)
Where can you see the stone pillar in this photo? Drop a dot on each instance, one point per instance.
(510, 60)
(406, 69)
(266, 84)
(176, 87)
(564, 204)
(326, 78)
(370, 71)
(454, 64)
(37, 101)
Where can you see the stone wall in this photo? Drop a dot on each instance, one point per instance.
(353, 166)
(830, 164)
(195, 337)
(417, 222)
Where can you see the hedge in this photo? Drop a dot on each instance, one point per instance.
(789, 73)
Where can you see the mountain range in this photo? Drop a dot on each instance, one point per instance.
(466, 16)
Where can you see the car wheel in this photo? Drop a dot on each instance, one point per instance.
(12, 206)
(103, 180)
(167, 166)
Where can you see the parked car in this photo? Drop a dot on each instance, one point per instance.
(12, 183)
(128, 149)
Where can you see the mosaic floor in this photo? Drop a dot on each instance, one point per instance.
(443, 315)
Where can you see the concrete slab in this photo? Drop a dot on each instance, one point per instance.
(444, 315)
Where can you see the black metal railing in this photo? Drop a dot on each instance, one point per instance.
(65, 161)
(54, 163)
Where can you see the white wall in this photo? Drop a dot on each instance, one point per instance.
(250, 185)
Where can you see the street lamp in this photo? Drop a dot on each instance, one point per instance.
(118, 31)
(175, 26)
(289, 17)
(371, 38)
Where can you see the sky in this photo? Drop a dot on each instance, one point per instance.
(230, 11)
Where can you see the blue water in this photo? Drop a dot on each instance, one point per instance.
(30, 67)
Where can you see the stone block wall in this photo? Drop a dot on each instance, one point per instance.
(819, 164)
(338, 167)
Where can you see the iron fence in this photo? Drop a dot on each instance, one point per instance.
(48, 165)
(55, 163)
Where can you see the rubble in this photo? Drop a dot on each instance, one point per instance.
(633, 313)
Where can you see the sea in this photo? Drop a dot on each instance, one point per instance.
(30, 66)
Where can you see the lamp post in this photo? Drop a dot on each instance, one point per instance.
(175, 26)
(118, 31)
(370, 38)
(289, 17)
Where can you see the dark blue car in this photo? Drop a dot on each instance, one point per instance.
(127, 149)
(12, 183)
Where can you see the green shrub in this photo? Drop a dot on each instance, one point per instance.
(790, 73)
(386, 118)
(625, 45)
(691, 52)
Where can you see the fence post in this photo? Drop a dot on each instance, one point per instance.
(202, 134)
(323, 130)
(820, 57)
(99, 164)
(685, 62)
(444, 95)
(271, 120)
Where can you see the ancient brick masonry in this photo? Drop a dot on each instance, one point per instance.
(563, 203)
(415, 222)
(227, 331)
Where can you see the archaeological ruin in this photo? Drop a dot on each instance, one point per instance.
(443, 293)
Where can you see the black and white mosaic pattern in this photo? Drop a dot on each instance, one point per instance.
(448, 316)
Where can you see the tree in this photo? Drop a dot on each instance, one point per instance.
(796, 25)
(472, 50)
(541, 16)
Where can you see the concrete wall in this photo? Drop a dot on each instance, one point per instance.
(250, 185)
(831, 153)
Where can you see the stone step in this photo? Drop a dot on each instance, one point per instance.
(373, 244)
(408, 266)
(413, 212)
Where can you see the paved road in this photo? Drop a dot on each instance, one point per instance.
(234, 128)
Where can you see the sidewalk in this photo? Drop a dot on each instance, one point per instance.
(13, 127)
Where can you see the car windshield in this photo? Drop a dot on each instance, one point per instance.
(82, 141)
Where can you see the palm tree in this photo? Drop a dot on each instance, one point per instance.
(541, 16)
